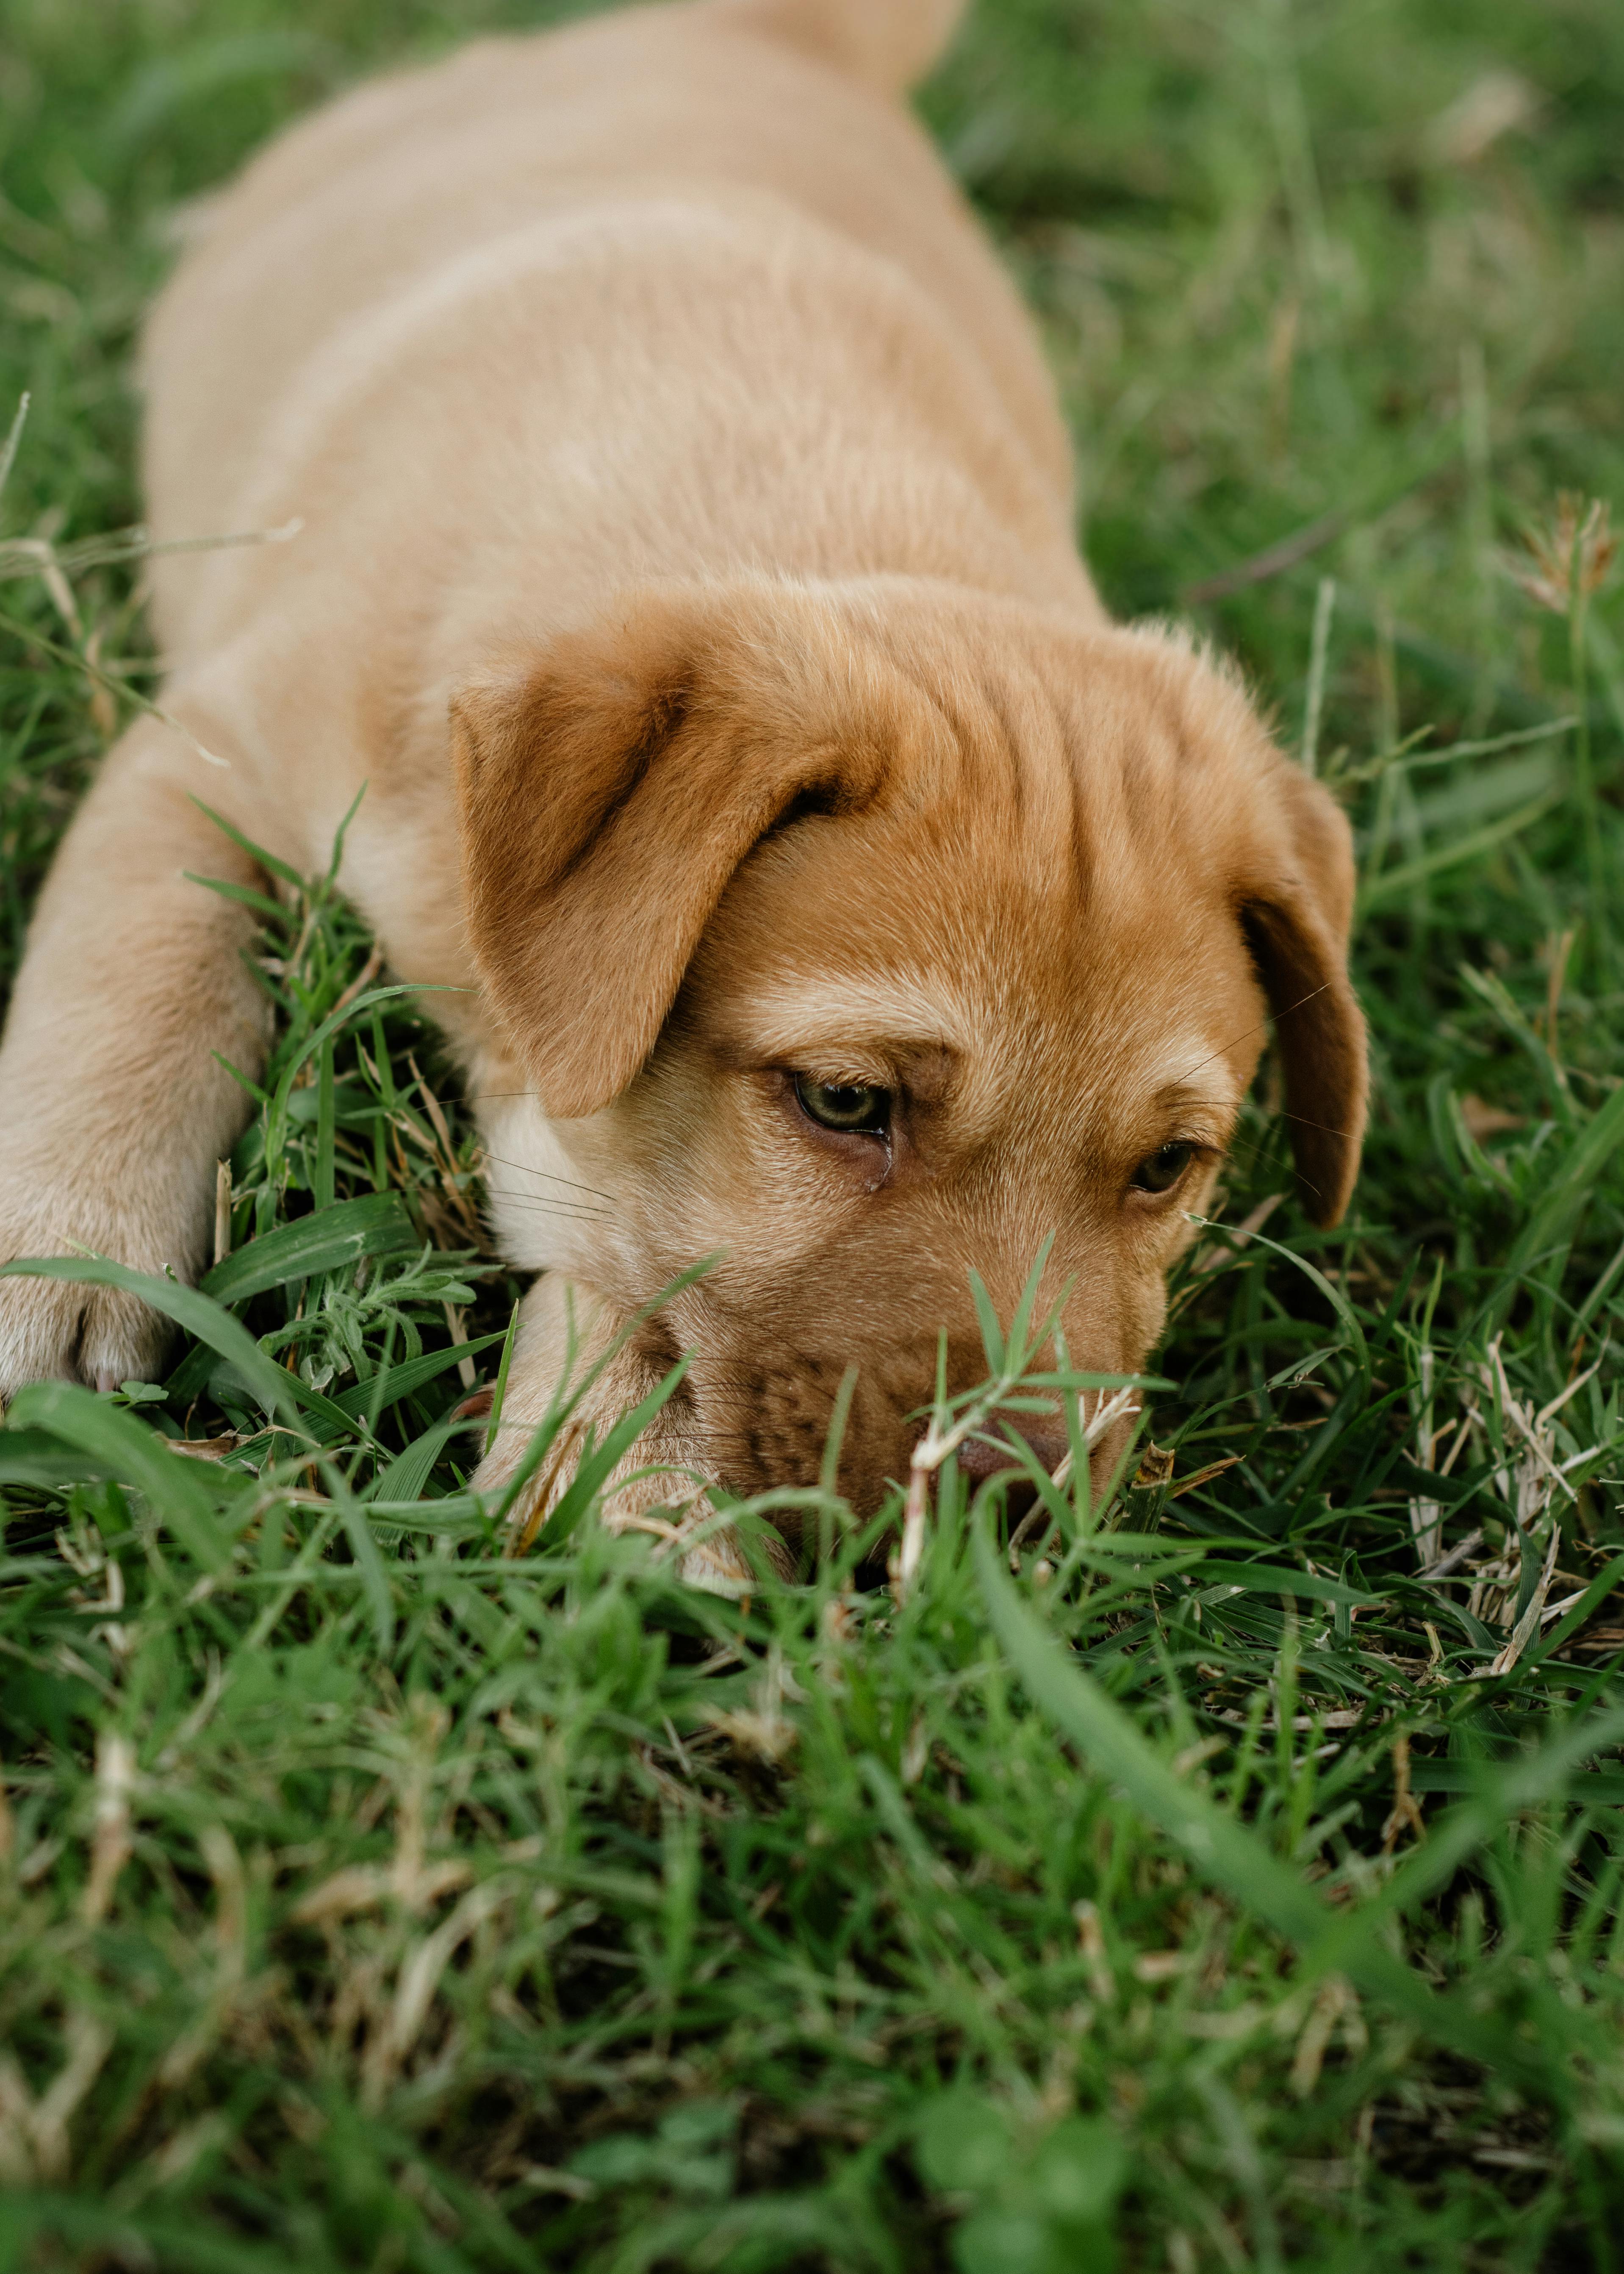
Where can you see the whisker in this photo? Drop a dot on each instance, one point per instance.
(1248, 1155)
(1275, 1160)
(540, 1204)
(1273, 1019)
(552, 1177)
(1286, 1115)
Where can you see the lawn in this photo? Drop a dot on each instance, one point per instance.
(1231, 1877)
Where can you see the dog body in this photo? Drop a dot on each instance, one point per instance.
(684, 566)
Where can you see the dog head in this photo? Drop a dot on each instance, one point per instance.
(865, 936)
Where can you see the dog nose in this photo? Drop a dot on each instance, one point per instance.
(1047, 1440)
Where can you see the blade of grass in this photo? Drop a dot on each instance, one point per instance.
(183, 1493)
(330, 1240)
(1223, 1850)
(278, 1391)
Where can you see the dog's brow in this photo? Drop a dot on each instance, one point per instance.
(1173, 1080)
(789, 1013)
(1200, 1102)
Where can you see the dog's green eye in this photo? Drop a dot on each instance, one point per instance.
(1160, 1171)
(855, 1112)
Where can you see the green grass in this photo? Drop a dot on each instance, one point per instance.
(1194, 1898)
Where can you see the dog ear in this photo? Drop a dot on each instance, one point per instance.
(608, 787)
(1296, 920)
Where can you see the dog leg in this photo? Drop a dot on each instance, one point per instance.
(113, 1110)
(555, 1313)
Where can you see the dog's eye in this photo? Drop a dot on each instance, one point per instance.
(1160, 1171)
(854, 1110)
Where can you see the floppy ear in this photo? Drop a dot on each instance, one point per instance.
(1296, 919)
(608, 787)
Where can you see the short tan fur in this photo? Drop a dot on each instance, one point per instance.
(685, 567)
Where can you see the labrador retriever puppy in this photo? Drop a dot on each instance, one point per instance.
(684, 564)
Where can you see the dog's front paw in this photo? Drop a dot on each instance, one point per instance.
(59, 1331)
(66, 1330)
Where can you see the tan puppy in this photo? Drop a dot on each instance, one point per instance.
(686, 568)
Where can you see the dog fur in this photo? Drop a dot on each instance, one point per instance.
(684, 564)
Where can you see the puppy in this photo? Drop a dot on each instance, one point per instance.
(685, 566)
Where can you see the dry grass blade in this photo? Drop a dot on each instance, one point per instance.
(1528, 1625)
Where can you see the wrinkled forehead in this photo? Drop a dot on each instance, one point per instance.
(1179, 1037)
(1047, 879)
(857, 946)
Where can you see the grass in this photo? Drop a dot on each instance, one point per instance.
(1218, 1890)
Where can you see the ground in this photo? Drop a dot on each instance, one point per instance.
(1215, 1889)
